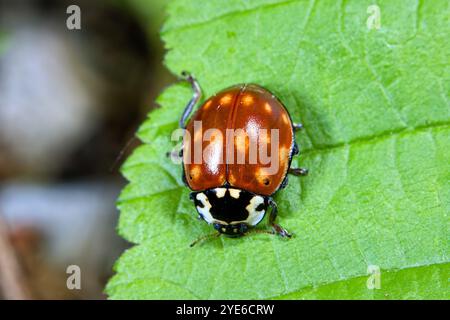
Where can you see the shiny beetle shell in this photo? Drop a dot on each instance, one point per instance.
(251, 108)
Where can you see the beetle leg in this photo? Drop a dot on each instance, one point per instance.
(258, 231)
(273, 215)
(297, 126)
(175, 155)
(298, 171)
(183, 178)
(284, 183)
(295, 150)
(195, 98)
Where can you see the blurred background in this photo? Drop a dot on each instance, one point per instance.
(70, 101)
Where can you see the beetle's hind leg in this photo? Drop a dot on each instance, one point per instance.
(298, 171)
(295, 172)
(273, 215)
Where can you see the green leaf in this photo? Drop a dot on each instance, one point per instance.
(374, 103)
(151, 11)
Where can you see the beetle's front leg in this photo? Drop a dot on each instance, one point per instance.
(273, 215)
(175, 155)
(197, 93)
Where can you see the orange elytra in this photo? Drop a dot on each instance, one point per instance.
(237, 152)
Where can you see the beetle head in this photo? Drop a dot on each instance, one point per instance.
(237, 229)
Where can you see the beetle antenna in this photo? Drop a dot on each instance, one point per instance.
(121, 153)
(205, 237)
(260, 231)
(195, 98)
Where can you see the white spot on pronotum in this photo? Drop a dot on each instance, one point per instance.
(254, 217)
(235, 193)
(74, 280)
(205, 211)
(73, 22)
(220, 192)
(374, 19)
(374, 280)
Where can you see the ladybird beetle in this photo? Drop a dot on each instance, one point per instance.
(235, 195)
